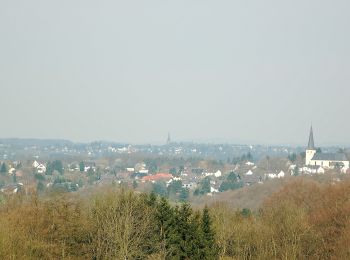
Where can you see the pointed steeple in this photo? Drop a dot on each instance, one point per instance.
(311, 144)
(168, 141)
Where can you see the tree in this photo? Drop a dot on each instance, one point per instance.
(205, 186)
(232, 182)
(210, 249)
(292, 157)
(184, 194)
(186, 239)
(160, 189)
(81, 166)
(249, 156)
(3, 168)
(54, 166)
(152, 165)
(40, 187)
(174, 188)
(166, 228)
(121, 223)
(14, 176)
(181, 169)
(246, 212)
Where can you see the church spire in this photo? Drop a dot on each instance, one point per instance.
(168, 141)
(311, 144)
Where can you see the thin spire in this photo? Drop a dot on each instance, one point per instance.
(168, 141)
(311, 144)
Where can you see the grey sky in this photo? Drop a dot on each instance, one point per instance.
(238, 71)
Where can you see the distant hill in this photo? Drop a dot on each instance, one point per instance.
(253, 197)
(34, 142)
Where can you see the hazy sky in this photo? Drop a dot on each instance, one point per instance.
(235, 71)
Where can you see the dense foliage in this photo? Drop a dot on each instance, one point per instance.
(304, 220)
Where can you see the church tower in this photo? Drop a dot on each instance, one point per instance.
(310, 150)
(168, 141)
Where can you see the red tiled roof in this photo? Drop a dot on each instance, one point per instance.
(158, 176)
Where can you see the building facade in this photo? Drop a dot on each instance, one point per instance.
(325, 160)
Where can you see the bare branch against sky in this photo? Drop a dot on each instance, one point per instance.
(237, 71)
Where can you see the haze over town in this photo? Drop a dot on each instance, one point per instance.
(131, 71)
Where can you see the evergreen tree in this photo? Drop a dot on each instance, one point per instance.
(166, 228)
(160, 189)
(14, 177)
(205, 186)
(173, 171)
(81, 166)
(134, 184)
(184, 194)
(3, 168)
(187, 239)
(49, 168)
(209, 249)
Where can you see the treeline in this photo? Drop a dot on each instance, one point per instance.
(114, 224)
(304, 220)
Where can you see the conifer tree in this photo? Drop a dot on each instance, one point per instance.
(166, 228)
(210, 249)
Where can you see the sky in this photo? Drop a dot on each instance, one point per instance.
(254, 72)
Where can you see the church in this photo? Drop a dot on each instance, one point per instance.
(325, 160)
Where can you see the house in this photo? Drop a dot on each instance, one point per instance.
(35, 164)
(251, 179)
(249, 172)
(89, 165)
(218, 174)
(197, 171)
(292, 167)
(212, 190)
(157, 177)
(249, 163)
(189, 185)
(327, 160)
(270, 175)
(314, 169)
(11, 188)
(281, 174)
(130, 169)
(41, 168)
(12, 170)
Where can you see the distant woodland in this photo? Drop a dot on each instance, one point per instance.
(303, 220)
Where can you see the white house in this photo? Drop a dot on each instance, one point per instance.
(313, 170)
(218, 174)
(271, 175)
(12, 170)
(281, 174)
(35, 164)
(41, 168)
(212, 190)
(249, 172)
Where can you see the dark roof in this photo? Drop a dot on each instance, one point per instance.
(330, 157)
(251, 179)
(311, 144)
